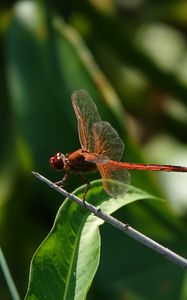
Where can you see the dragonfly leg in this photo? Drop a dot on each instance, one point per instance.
(84, 179)
(62, 182)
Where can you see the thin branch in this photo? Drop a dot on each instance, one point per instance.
(125, 228)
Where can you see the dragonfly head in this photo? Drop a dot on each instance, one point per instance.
(57, 161)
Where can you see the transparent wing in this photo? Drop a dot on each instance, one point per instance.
(87, 115)
(96, 136)
(115, 179)
(107, 141)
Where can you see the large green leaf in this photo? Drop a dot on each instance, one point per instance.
(66, 262)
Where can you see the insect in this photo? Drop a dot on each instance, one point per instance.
(101, 149)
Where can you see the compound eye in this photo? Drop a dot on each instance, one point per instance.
(56, 161)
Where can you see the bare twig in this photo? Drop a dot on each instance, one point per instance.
(170, 255)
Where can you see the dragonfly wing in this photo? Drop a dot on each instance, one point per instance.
(95, 158)
(115, 179)
(87, 115)
(107, 141)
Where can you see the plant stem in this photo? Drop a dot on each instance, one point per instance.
(8, 277)
(125, 228)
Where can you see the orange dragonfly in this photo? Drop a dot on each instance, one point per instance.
(101, 148)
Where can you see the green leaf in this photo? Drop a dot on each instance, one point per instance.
(66, 262)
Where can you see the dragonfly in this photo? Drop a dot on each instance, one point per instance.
(101, 149)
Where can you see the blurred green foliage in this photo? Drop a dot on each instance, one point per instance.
(131, 56)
